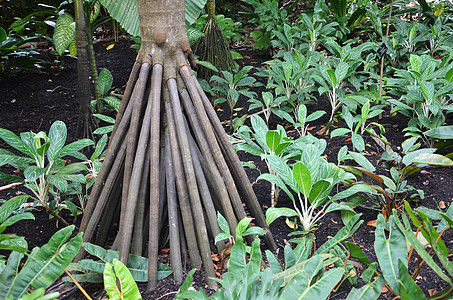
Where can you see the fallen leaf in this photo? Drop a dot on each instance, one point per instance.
(165, 251)
(432, 292)
(384, 290)
(16, 171)
(372, 223)
(425, 172)
(311, 128)
(110, 47)
(348, 140)
(218, 275)
(373, 153)
(321, 131)
(442, 205)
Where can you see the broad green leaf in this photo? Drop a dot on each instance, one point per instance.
(273, 139)
(356, 252)
(303, 178)
(390, 246)
(223, 224)
(14, 141)
(242, 226)
(64, 32)
(57, 137)
(341, 71)
(358, 142)
(11, 205)
(47, 263)
(442, 132)
(104, 130)
(320, 191)
(105, 81)
(129, 289)
(412, 290)
(362, 161)
(70, 149)
(110, 283)
(416, 63)
(273, 213)
(432, 159)
(16, 218)
(369, 291)
(283, 171)
(33, 172)
(339, 131)
(303, 285)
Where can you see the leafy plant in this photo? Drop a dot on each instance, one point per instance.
(43, 266)
(46, 173)
(356, 125)
(242, 229)
(128, 289)
(231, 86)
(89, 270)
(424, 93)
(291, 80)
(389, 192)
(14, 58)
(266, 142)
(312, 179)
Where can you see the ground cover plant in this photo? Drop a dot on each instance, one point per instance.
(321, 147)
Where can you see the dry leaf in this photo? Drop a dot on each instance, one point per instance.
(384, 290)
(425, 172)
(321, 131)
(165, 251)
(432, 292)
(372, 223)
(348, 140)
(442, 205)
(110, 47)
(311, 128)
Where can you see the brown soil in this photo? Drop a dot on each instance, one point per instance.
(33, 102)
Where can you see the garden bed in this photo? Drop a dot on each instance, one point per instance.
(33, 102)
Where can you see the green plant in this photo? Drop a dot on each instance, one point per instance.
(43, 266)
(305, 275)
(242, 229)
(105, 82)
(357, 125)
(312, 179)
(268, 16)
(389, 192)
(291, 79)
(14, 58)
(230, 29)
(127, 290)
(89, 270)
(232, 85)
(46, 173)
(424, 90)
(266, 142)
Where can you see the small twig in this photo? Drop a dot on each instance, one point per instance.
(11, 185)
(167, 294)
(78, 285)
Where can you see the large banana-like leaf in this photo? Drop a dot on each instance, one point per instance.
(47, 263)
(126, 13)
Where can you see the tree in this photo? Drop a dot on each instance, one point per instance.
(167, 161)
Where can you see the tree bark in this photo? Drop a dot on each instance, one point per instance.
(161, 80)
(85, 122)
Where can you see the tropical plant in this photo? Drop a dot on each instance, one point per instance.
(290, 78)
(389, 192)
(14, 58)
(305, 275)
(46, 174)
(266, 142)
(232, 85)
(424, 90)
(127, 290)
(311, 178)
(43, 266)
(90, 270)
(242, 229)
(357, 125)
